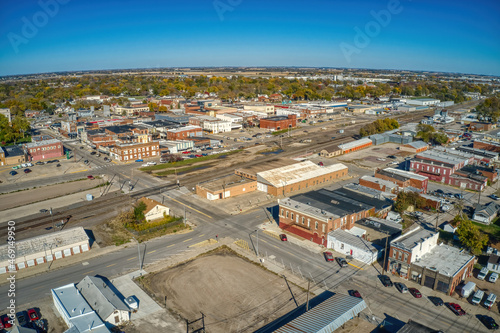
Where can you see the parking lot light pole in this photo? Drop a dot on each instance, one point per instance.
(257, 248)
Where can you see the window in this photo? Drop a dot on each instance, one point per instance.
(308, 223)
(399, 255)
(286, 214)
(394, 253)
(282, 212)
(406, 256)
(303, 219)
(323, 228)
(292, 216)
(316, 225)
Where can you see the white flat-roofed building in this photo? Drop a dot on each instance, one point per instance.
(423, 101)
(443, 268)
(76, 311)
(229, 117)
(45, 248)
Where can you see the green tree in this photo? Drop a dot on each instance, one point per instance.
(470, 236)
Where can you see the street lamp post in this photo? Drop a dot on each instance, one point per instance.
(139, 252)
(257, 249)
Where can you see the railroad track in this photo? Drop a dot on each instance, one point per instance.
(81, 211)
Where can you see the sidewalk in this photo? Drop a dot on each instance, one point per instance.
(40, 269)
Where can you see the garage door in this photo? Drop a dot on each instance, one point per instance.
(429, 282)
(443, 286)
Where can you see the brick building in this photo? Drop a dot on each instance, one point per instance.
(441, 165)
(313, 215)
(132, 151)
(443, 268)
(493, 146)
(279, 122)
(41, 150)
(403, 179)
(408, 248)
(182, 133)
(481, 126)
(298, 176)
(31, 113)
(379, 184)
(225, 187)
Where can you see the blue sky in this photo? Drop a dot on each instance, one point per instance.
(451, 36)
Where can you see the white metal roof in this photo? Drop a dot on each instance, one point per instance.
(295, 173)
(327, 316)
(355, 144)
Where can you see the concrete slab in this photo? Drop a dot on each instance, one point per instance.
(147, 306)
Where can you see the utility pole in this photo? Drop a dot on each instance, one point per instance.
(139, 252)
(257, 249)
(185, 216)
(307, 302)
(385, 252)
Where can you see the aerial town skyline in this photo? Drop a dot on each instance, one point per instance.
(57, 35)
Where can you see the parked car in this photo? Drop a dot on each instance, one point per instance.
(58, 165)
(440, 191)
(22, 318)
(493, 277)
(12, 172)
(456, 309)
(328, 256)
(445, 208)
(490, 301)
(33, 314)
(386, 281)
(139, 160)
(437, 301)
(5, 321)
(415, 292)
(494, 197)
(27, 170)
(401, 287)
(482, 274)
(341, 261)
(489, 322)
(145, 165)
(39, 163)
(93, 153)
(459, 196)
(283, 238)
(355, 293)
(43, 211)
(90, 177)
(86, 161)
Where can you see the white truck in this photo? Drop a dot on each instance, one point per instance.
(467, 289)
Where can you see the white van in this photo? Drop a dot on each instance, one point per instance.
(478, 297)
(490, 300)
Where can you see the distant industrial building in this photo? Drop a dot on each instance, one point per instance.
(423, 101)
(403, 179)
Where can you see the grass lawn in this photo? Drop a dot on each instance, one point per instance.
(493, 229)
(187, 161)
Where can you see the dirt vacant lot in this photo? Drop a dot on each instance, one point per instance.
(234, 294)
